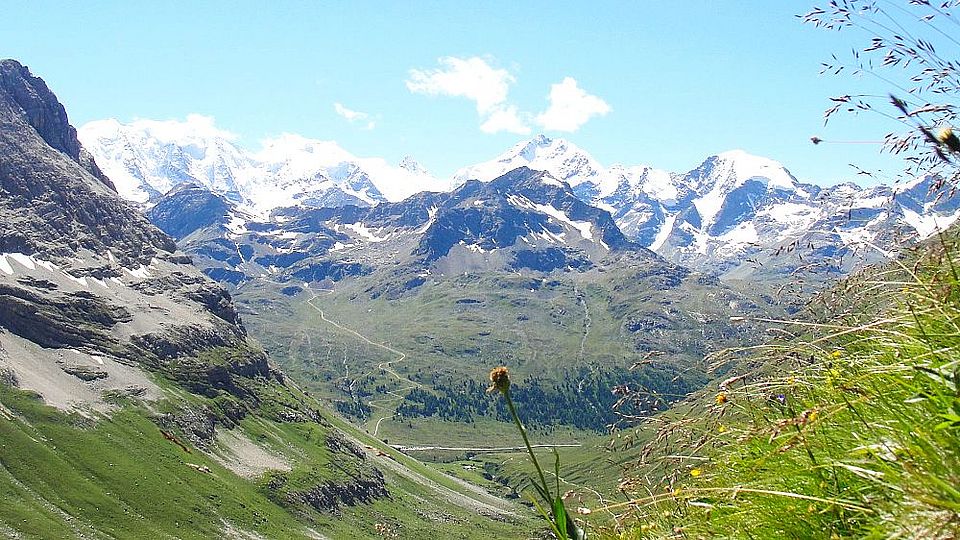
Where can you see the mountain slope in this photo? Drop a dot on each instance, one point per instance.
(735, 215)
(133, 403)
(441, 286)
(849, 387)
(738, 215)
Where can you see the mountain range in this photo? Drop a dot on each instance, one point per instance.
(734, 215)
(147, 158)
(516, 270)
(137, 261)
(134, 403)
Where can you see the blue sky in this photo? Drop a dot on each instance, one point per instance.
(657, 82)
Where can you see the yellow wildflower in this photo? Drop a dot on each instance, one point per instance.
(721, 398)
(836, 354)
(695, 472)
(947, 137)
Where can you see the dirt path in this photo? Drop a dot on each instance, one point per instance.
(467, 449)
(581, 355)
(386, 404)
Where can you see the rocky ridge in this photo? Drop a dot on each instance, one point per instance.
(96, 302)
(735, 215)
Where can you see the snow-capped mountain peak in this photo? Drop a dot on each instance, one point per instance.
(563, 160)
(408, 163)
(147, 158)
(746, 166)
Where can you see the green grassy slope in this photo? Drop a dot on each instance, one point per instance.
(67, 475)
(425, 354)
(851, 429)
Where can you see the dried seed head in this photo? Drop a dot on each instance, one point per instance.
(500, 379)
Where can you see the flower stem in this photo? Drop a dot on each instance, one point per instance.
(526, 441)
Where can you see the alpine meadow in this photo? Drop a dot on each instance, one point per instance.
(731, 309)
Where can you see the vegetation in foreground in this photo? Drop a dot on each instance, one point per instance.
(850, 429)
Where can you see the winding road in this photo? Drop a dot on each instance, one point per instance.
(383, 404)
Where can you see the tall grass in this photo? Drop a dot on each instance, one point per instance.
(848, 429)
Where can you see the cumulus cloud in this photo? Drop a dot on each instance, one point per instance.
(354, 117)
(505, 119)
(488, 87)
(472, 78)
(570, 107)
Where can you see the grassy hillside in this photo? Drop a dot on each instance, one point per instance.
(411, 367)
(130, 474)
(847, 426)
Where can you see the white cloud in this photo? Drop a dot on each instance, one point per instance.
(475, 79)
(570, 107)
(488, 87)
(504, 119)
(472, 78)
(354, 117)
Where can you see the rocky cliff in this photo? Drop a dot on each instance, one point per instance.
(132, 400)
(97, 305)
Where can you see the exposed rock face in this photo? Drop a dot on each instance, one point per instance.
(521, 204)
(83, 270)
(50, 203)
(189, 207)
(329, 496)
(72, 320)
(46, 115)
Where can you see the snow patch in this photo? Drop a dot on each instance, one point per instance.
(663, 233)
(82, 281)
(548, 181)
(143, 272)
(795, 214)
(740, 237)
(658, 184)
(23, 260)
(709, 205)
(474, 247)
(585, 227)
(863, 236)
(929, 224)
(364, 232)
(237, 225)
